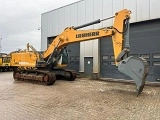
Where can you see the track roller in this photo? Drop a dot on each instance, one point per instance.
(65, 74)
(70, 75)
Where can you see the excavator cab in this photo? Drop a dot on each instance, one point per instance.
(63, 60)
(65, 57)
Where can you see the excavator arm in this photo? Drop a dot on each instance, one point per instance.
(135, 67)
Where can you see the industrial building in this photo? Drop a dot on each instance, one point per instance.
(95, 58)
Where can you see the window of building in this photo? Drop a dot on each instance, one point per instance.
(146, 56)
(156, 63)
(135, 55)
(72, 58)
(105, 63)
(71, 62)
(105, 57)
(77, 62)
(113, 63)
(77, 57)
(157, 79)
(112, 56)
(157, 55)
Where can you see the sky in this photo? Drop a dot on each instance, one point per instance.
(20, 20)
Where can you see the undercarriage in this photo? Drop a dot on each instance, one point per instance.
(44, 77)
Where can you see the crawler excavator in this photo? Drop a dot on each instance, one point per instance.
(4, 62)
(51, 66)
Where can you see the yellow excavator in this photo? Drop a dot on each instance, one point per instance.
(4, 62)
(51, 65)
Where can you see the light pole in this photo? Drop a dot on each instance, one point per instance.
(39, 28)
(0, 45)
(41, 37)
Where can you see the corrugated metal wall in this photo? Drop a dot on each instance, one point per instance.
(144, 42)
(54, 22)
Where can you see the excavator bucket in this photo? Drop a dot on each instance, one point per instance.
(137, 68)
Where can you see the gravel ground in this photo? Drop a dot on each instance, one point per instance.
(82, 99)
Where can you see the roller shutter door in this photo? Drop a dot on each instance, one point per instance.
(144, 42)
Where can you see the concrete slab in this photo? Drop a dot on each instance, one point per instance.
(82, 99)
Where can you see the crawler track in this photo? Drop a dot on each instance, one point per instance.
(44, 77)
(35, 76)
(65, 74)
(69, 75)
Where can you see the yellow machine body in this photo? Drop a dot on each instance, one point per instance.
(24, 59)
(5, 63)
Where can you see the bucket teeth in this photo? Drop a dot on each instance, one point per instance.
(137, 68)
(146, 70)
